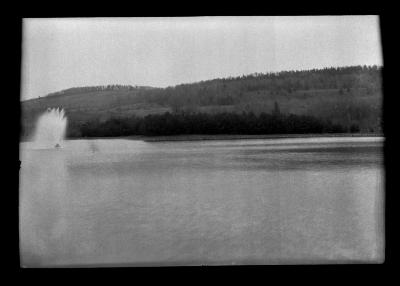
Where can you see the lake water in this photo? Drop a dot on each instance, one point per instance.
(260, 201)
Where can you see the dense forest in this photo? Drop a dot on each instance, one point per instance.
(343, 99)
(202, 123)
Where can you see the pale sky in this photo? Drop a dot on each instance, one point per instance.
(70, 52)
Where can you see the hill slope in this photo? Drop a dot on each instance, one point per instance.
(347, 95)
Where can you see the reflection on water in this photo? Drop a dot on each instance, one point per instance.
(314, 200)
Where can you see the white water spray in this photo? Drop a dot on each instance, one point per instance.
(50, 128)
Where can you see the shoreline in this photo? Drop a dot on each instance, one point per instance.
(205, 137)
(245, 137)
(199, 137)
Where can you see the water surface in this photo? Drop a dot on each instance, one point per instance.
(258, 201)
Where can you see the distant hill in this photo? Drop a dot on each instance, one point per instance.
(345, 95)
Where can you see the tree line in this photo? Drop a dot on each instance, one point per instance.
(212, 124)
(109, 87)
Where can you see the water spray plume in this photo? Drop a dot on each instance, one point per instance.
(51, 128)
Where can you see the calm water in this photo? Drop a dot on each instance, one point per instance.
(314, 200)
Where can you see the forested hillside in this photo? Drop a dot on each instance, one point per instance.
(349, 97)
